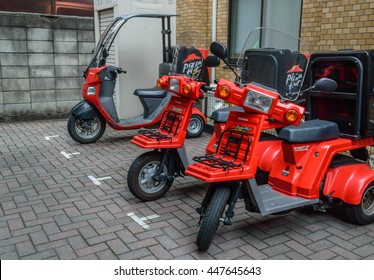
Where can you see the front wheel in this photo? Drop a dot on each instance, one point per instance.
(195, 126)
(363, 213)
(140, 177)
(86, 131)
(212, 217)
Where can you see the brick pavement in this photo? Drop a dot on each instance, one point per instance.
(51, 209)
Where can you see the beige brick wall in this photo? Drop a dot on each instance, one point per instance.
(343, 24)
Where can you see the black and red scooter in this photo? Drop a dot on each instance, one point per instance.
(89, 117)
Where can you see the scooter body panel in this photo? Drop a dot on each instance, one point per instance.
(236, 148)
(173, 127)
(84, 110)
(300, 168)
(348, 182)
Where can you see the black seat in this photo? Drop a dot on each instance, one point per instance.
(154, 92)
(310, 131)
(221, 115)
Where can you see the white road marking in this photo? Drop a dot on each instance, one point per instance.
(96, 181)
(140, 220)
(68, 155)
(48, 138)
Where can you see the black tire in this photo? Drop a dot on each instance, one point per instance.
(140, 181)
(363, 213)
(195, 126)
(212, 216)
(86, 131)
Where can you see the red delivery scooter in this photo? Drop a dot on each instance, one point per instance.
(89, 117)
(320, 162)
(151, 174)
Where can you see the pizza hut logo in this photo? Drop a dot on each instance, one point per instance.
(192, 65)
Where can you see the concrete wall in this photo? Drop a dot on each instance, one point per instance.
(41, 63)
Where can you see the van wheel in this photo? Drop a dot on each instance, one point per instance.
(363, 213)
(195, 126)
(212, 217)
(86, 131)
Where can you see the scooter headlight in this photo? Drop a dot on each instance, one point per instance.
(258, 101)
(174, 85)
(91, 90)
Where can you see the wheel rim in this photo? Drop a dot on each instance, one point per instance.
(88, 128)
(367, 203)
(194, 126)
(146, 181)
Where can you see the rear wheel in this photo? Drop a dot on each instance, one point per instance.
(86, 131)
(140, 177)
(195, 126)
(212, 217)
(363, 213)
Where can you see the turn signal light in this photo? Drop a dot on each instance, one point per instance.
(160, 83)
(292, 115)
(187, 89)
(224, 91)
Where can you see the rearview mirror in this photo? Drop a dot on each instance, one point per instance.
(212, 61)
(325, 84)
(218, 50)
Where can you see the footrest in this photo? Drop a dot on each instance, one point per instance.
(270, 201)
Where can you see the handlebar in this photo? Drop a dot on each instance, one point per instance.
(119, 70)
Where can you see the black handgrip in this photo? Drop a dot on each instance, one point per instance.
(120, 70)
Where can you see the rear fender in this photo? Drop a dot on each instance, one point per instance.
(84, 110)
(348, 182)
(196, 111)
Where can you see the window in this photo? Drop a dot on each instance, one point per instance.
(245, 15)
(54, 7)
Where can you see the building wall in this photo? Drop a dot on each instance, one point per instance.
(41, 63)
(326, 25)
(343, 24)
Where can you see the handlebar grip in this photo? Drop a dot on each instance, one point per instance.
(120, 70)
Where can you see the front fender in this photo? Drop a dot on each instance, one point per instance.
(348, 182)
(84, 110)
(196, 111)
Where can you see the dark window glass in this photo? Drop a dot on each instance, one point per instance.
(69, 7)
(245, 15)
(29, 6)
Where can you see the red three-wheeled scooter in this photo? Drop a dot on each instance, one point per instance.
(320, 161)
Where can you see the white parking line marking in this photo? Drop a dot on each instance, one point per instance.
(68, 155)
(48, 138)
(96, 181)
(140, 221)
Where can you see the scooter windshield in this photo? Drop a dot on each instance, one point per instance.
(101, 51)
(274, 58)
(189, 56)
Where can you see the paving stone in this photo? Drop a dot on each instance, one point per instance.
(51, 210)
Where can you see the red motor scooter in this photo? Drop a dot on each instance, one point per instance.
(89, 117)
(308, 162)
(152, 174)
